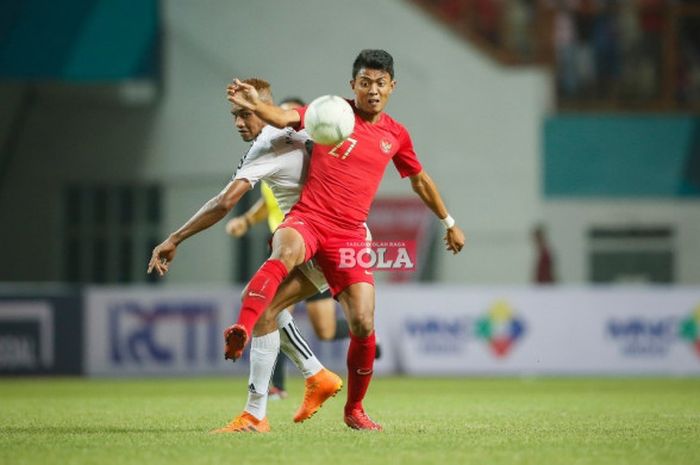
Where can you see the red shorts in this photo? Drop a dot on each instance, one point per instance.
(333, 249)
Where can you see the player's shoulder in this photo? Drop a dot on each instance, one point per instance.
(269, 133)
(275, 137)
(392, 125)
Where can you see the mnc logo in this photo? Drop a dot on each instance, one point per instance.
(164, 333)
(438, 335)
(643, 337)
(501, 328)
(690, 329)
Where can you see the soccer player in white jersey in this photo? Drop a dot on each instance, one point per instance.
(280, 158)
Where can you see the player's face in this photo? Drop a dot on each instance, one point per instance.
(247, 123)
(372, 89)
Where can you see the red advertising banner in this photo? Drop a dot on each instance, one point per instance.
(406, 221)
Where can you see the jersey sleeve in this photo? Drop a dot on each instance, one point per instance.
(406, 160)
(257, 169)
(302, 112)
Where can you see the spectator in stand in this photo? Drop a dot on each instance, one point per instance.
(488, 19)
(586, 13)
(629, 33)
(688, 76)
(564, 39)
(606, 49)
(452, 10)
(651, 19)
(518, 34)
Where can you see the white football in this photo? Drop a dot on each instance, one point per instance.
(329, 120)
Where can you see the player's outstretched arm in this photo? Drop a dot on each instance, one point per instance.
(246, 96)
(239, 226)
(210, 213)
(426, 189)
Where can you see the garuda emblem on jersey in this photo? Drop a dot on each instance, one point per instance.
(385, 146)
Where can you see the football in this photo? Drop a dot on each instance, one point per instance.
(329, 120)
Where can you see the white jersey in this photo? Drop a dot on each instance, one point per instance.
(280, 158)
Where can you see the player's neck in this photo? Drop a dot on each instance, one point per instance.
(371, 118)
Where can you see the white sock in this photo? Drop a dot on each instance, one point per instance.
(295, 347)
(263, 353)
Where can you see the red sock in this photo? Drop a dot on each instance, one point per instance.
(261, 290)
(360, 368)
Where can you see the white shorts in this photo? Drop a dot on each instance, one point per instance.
(314, 273)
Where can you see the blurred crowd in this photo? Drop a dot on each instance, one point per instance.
(615, 51)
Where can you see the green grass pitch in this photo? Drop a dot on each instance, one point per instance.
(427, 421)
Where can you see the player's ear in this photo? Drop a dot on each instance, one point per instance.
(352, 84)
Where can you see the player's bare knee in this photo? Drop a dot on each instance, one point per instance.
(362, 325)
(289, 255)
(324, 333)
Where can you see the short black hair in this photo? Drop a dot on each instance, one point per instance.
(373, 59)
(296, 100)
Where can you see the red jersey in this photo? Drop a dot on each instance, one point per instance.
(343, 180)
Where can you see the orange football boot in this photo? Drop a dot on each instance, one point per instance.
(319, 388)
(245, 423)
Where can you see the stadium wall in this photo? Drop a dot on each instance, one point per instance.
(423, 331)
(570, 221)
(41, 330)
(616, 172)
(475, 126)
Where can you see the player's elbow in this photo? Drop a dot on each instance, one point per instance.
(285, 118)
(229, 197)
(419, 182)
(279, 123)
(417, 186)
(226, 202)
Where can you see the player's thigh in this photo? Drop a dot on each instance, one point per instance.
(322, 316)
(357, 301)
(295, 288)
(288, 246)
(293, 242)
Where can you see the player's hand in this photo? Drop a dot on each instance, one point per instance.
(454, 240)
(242, 94)
(237, 227)
(162, 255)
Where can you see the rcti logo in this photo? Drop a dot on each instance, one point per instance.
(501, 328)
(164, 333)
(690, 329)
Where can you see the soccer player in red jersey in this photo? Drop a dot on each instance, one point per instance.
(330, 216)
